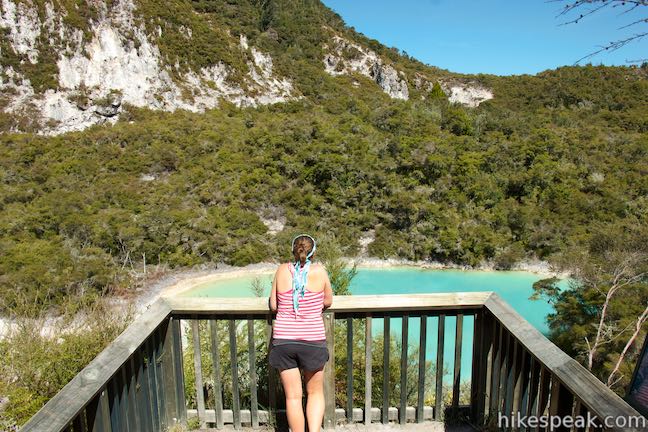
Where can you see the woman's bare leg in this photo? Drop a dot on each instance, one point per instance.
(315, 402)
(291, 381)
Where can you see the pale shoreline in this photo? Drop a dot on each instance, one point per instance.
(180, 282)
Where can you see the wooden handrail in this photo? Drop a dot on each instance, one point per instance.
(342, 304)
(508, 353)
(579, 381)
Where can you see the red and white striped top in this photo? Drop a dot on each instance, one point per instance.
(307, 324)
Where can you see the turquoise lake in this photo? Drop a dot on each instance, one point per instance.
(515, 287)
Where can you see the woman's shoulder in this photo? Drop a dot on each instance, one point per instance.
(318, 267)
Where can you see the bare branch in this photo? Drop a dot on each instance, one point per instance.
(640, 321)
(590, 7)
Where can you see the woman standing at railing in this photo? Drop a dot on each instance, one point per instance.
(301, 290)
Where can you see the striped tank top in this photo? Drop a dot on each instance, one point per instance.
(307, 324)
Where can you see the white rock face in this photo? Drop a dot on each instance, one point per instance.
(24, 27)
(347, 57)
(467, 94)
(119, 65)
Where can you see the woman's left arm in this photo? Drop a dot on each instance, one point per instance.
(328, 291)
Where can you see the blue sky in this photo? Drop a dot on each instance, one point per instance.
(501, 37)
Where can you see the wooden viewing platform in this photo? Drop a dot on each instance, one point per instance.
(138, 383)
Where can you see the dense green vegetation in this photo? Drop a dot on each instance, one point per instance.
(435, 181)
(41, 355)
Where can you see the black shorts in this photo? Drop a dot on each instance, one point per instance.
(296, 354)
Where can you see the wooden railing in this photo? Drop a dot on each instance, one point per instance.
(141, 382)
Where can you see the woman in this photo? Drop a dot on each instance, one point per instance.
(300, 291)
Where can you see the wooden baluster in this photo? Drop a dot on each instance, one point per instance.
(329, 372)
(217, 374)
(124, 400)
(152, 384)
(438, 397)
(386, 383)
(521, 387)
(178, 371)
(143, 390)
(98, 413)
(504, 370)
(456, 388)
(200, 396)
(497, 372)
(367, 395)
(236, 403)
(543, 392)
(488, 350)
(420, 406)
(133, 408)
(580, 410)
(481, 365)
(79, 424)
(159, 380)
(168, 374)
(272, 376)
(349, 366)
(534, 384)
(561, 402)
(114, 401)
(254, 408)
(512, 373)
(402, 411)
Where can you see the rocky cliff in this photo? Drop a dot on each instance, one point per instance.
(65, 67)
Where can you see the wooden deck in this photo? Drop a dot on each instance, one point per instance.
(138, 382)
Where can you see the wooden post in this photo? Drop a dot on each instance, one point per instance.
(329, 372)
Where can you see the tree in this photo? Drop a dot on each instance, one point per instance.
(580, 7)
(602, 313)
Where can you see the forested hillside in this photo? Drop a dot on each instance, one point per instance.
(520, 175)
